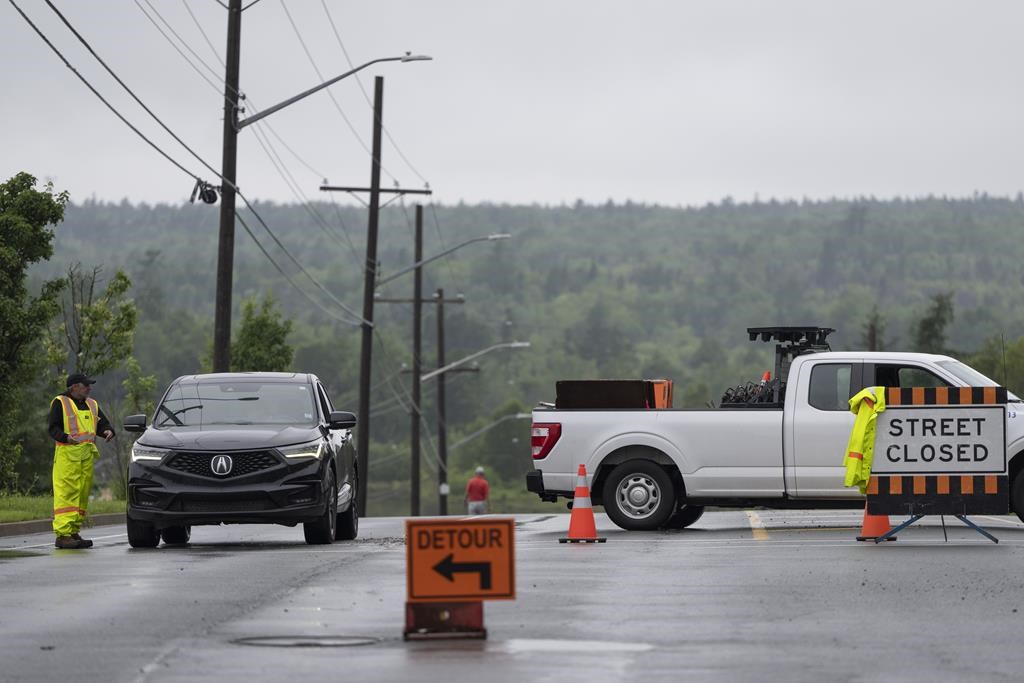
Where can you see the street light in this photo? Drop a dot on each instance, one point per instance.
(403, 271)
(232, 125)
(442, 427)
(463, 361)
(417, 316)
(503, 418)
(281, 105)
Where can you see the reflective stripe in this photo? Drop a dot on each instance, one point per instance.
(61, 511)
(581, 502)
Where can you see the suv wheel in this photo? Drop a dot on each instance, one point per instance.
(348, 521)
(177, 535)
(142, 534)
(321, 532)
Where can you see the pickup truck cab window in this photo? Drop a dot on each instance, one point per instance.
(831, 386)
(906, 376)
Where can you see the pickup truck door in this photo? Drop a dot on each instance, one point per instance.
(819, 427)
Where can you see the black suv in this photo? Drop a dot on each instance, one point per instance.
(242, 448)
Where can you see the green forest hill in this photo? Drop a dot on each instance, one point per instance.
(611, 291)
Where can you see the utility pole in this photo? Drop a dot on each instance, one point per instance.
(369, 284)
(229, 162)
(442, 429)
(232, 124)
(417, 369)
(417, 349)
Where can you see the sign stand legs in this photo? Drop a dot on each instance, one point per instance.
(977, 528)
(915, 518)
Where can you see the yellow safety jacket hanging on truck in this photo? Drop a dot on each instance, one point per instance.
(860, 450)
(72, 465)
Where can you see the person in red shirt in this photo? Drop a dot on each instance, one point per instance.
(477, 491)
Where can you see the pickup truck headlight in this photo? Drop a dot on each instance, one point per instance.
(140, 452)
(313, 449)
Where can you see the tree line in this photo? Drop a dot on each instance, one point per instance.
(610, 290)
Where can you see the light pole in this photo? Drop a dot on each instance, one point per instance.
(417, 317)
(232, 125)
(442, 427)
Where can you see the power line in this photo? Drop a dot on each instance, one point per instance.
(288, 278)
(170, 28)
(202, 31)
(98, 95)
(178, 49)
(341, 304)
(127, 89)
(366, 96)
(268, 148)
(248, 204)
(330, 94)
(444, 247)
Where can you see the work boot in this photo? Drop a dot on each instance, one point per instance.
(69, 543)
(86, 541)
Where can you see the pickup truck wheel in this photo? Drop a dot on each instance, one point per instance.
(639, 496)
(684, 517)
(1017, 495)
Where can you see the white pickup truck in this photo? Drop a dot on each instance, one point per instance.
(659, 468)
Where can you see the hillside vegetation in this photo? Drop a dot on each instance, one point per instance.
(599, 291)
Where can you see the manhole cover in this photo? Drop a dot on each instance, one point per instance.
(306, 641)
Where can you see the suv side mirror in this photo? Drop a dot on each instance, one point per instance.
(340, 419)
(135, 423)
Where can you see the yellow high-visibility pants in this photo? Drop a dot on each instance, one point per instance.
(72, 481)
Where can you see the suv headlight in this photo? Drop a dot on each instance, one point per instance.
(140, 452)
(313, 449)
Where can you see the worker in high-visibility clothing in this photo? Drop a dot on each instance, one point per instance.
(860, 449)
(75, 420)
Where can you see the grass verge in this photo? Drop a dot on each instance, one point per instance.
(27, 508)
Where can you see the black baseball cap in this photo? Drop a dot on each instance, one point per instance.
(79, 378)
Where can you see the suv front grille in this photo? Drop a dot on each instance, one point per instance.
(241, 463)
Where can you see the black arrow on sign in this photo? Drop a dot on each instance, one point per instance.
(447, 568)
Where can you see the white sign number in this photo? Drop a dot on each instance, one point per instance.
(940, 440)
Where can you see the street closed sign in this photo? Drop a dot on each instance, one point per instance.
(451, 559)
(933, 440)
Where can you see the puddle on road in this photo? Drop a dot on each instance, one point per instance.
(306, 641)
(15, 554)
(575, 646)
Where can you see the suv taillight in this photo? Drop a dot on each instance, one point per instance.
(543, 438)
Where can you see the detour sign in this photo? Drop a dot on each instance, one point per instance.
(451, 559)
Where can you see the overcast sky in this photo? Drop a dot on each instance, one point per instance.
(665, 102)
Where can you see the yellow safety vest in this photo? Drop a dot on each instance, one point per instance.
(81, 424)
(860, 450)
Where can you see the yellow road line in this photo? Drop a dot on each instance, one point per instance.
(757, 526)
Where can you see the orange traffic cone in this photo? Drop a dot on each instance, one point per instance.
(582, 528)
(874, 527)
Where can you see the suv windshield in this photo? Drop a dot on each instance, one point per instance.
(197, 404)
(971, 377)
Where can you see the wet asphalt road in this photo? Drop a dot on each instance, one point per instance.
(741, 597)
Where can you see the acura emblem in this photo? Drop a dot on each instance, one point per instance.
(221, 465)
